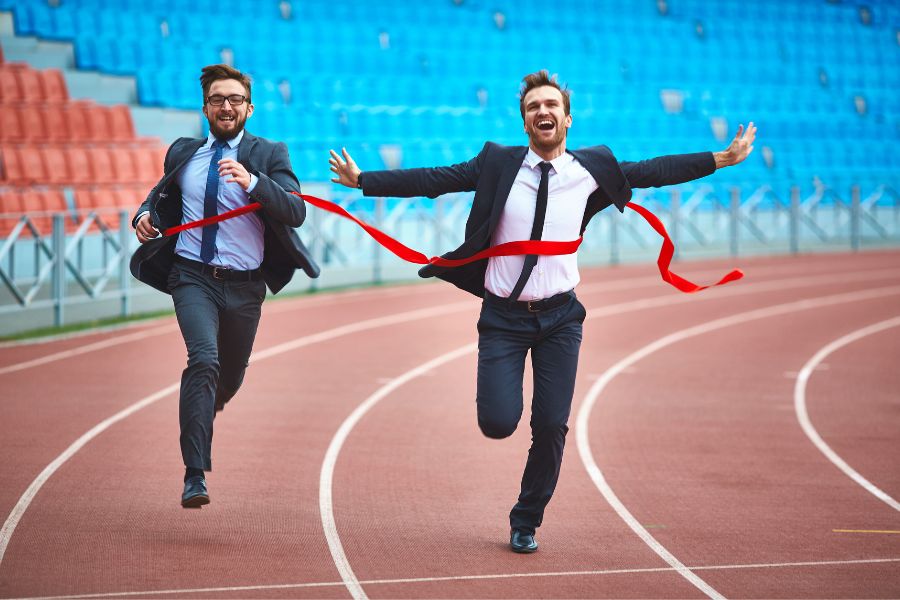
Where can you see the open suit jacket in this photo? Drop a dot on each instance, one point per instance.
(281, 212)
(491, 175)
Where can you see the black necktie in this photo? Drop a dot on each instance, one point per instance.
(540, 211)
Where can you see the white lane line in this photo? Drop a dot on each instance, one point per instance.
(452, 578)
(806, 423)
(21, 506)
(327, 474)
(100, 345)
(326, 478)
(584, 412)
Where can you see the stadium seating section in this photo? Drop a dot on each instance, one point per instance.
(404, 83)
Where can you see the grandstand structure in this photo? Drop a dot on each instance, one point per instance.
(407, 84)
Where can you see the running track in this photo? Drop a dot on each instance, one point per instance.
(741, 442)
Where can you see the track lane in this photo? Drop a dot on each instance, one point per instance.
(732, 458)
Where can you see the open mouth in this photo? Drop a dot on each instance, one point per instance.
(226, 119)
(545, 125)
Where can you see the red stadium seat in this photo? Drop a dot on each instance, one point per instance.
(130, 197)
(101, 165)
(11, 129)
(55, 165)
(122, 166)
(54, 85)
(97, 122)
(79, 164)
(148, 163)
(10, 165)
(33, 125)
(9, 84)
(121, 125)
(33, 164)
(10, 204)
(56, 122)
(30, 84)
(76, 118)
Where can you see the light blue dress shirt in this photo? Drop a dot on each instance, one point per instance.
(239, 241)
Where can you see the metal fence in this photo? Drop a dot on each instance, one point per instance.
(73, 266)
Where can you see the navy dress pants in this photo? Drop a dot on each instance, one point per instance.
(218, 320)
(506, 332)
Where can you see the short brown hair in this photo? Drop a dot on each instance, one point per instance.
(541, 78)
(214, 73)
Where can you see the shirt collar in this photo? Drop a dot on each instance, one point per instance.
(532, 160)
(232, 143)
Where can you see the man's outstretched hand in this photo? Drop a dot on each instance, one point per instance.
(739, 148)
(345, 168)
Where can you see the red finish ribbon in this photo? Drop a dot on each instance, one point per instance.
(668, 250)
(538, 247)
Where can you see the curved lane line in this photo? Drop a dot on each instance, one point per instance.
(581, 425)
(327, 474)
(22, 505)
(803, 416)
(99, 345)
(9, 526)
(326, 479)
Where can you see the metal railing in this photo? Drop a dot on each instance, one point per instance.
(51, 264)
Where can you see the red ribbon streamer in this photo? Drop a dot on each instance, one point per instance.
(668, 250)
(538, 247)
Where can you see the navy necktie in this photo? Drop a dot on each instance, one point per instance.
(210, 204)
(537, 228)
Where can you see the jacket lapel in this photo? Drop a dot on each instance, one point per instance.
(246, 145)
(505, 182)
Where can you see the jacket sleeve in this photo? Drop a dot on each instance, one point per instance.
(430, 182)
(274, 185)
(668, 170)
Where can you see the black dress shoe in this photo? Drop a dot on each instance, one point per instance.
(523, 543)
(195, 494)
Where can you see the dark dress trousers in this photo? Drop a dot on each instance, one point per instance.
(218, 317)
(507, 332)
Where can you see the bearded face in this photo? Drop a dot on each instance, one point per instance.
(227, 120)
(546, 121)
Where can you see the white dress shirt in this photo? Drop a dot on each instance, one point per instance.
(568, 189)
(239, 241)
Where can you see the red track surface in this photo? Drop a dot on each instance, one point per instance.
(696, 436)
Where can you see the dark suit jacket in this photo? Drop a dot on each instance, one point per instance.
(491, 175)
(281, 212)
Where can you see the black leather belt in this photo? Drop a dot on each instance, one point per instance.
(220, 273)
(532, 306)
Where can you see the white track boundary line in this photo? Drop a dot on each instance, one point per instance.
(452, 578)
(581, 426)
(92, 347)
(22, 505)
(326, 478)
(806, 423)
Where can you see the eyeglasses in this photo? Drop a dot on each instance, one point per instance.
(233, 100)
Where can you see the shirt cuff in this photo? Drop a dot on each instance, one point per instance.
(253, 181)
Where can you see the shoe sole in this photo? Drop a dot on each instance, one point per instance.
(195, 501)
(525, 550)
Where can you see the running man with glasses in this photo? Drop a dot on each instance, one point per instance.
(217, 274)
